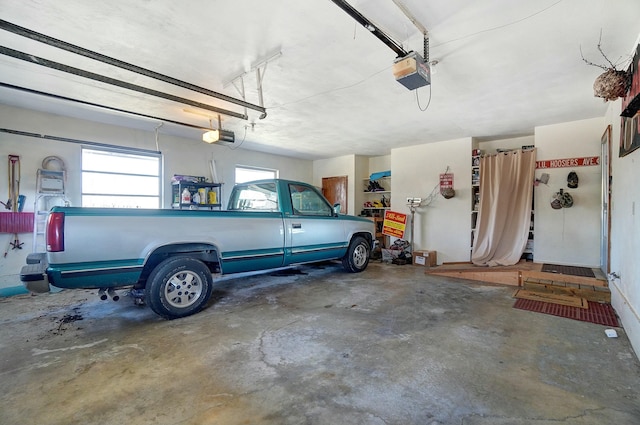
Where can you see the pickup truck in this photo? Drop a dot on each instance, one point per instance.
(169, 257)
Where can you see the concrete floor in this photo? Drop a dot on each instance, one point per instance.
(387, 346)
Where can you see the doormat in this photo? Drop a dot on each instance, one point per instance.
(602, 314)
(570, 270)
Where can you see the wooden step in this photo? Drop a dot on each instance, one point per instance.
(563, 278)
(599, 294)
(568, 300)
(592, 289)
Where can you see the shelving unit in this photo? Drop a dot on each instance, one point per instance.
(376, 196)
(178, 187)
(475, 192)
(528, 251)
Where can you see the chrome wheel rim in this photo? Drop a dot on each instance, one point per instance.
(183, 289)
(360, 256)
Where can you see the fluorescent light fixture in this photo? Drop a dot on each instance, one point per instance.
(211, 136)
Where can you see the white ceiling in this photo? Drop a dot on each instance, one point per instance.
(503, 67)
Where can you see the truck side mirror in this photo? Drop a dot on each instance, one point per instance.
(336, 209)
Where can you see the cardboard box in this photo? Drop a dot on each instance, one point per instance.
(425, 258)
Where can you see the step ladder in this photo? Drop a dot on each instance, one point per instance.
(50, 192)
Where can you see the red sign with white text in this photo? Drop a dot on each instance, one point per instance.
(569, 162)
(446, 181)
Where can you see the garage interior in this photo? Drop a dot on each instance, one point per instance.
(307, 92)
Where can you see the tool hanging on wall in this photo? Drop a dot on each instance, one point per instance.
(14, 185)
(15, 202)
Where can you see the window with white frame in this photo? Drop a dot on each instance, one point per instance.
(114, 178)
(247, 174)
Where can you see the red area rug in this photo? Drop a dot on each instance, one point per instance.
(602, 314)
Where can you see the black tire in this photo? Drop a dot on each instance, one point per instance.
(178, 287)
(357, 256)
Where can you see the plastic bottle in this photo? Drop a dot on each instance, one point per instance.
(186, 196)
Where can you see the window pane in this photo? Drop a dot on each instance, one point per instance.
(244, 174)
(117, 162)
(115, 179)
(119, 184)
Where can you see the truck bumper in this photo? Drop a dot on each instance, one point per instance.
(34, 274)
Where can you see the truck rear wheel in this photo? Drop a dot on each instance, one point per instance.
(178, 287)
(357, 257)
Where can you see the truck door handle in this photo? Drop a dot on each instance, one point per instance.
(296, 225)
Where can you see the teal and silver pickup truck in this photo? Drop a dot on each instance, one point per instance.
(168, 257)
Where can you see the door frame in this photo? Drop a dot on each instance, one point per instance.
(343, 183)
(605, 232)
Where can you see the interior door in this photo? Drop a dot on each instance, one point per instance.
(605, 164)
(335, 190)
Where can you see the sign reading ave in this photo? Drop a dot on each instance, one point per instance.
(569, 162)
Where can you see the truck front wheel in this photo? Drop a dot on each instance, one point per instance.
(357, 257)
(178, 287)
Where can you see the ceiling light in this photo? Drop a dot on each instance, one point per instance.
(211, 136)
(218, 135)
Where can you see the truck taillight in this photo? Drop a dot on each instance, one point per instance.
(55, 232)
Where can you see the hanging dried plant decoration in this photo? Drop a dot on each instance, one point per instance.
(611, 84)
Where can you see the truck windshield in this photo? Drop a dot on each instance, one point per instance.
(255, 197)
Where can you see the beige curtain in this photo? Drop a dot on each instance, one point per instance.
(504, 213)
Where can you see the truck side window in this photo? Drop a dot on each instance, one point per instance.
(306, 201)
(255, 197)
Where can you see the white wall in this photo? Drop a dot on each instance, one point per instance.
(445, 224)
(625, 231)
(181, 156)
(569, 235)
(379, 163)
